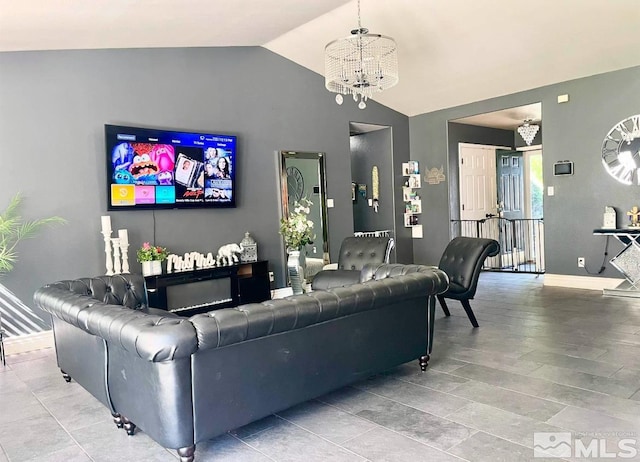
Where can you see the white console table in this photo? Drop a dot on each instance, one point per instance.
(627, 262)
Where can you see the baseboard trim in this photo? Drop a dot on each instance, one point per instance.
(580, 282)
(26, 343)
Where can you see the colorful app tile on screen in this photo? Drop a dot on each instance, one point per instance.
(122, 194)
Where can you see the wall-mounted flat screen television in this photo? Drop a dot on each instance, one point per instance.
(164, 169)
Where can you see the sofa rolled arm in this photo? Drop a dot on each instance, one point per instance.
(152, 337)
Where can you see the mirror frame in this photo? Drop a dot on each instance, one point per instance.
(284, 192)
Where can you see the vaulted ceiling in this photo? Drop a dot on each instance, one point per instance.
(451, 52)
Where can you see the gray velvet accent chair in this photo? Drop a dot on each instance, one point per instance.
(355, 254)
(462, 261)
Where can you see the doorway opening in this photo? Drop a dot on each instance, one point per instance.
(500, 186)
(372, 194)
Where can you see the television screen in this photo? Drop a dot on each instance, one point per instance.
(163, 169)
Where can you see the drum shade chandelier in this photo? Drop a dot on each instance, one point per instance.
(528, 131)
(361, 64)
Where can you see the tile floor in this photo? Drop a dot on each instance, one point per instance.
(543, 360)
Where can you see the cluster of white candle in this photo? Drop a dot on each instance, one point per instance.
(120, 245)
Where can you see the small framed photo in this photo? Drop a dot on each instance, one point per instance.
(414, 181)
(410, 220)
(406, 169)
(362, 190)
(354, 196)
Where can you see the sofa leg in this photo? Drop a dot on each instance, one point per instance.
(117, 419)
(129, 426)
(423, 362)
(187, 454)
(65, 376)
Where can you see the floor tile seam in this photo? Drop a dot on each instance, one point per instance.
(77, 443)
(539, 365)
(374, 427)
(563, 429)
(491, 434)
(401, 379)
(553, 400)
(377, 426)
(515, 414)
(337, 408)
(326, 440)
(554, 381)
(572, 368)
(510, 391)
(415, 408)
(514, 358)
(379, 396)
(611, 378)
(249, 446)
(447, 392)
(580, 408)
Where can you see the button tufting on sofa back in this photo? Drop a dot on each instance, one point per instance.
(355, 252)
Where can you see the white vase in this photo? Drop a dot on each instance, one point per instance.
(151, 268)
(295, 269)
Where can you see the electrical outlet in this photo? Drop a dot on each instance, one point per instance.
(580, 262)
(271, 276)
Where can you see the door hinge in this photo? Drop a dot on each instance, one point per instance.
(462, 206)
(462, 161)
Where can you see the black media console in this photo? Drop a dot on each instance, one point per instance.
(248, 283)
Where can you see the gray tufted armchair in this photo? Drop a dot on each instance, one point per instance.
(355, 253)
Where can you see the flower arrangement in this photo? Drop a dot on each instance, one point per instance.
(297, 230)
(150, 252)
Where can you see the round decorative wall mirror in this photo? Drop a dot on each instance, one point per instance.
(621, 150)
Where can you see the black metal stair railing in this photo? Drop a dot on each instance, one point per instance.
(521, 242)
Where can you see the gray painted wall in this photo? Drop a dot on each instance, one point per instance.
(53, 109)
(572, 131)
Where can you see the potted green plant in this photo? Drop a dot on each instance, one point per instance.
(13, 229)
(151, 257)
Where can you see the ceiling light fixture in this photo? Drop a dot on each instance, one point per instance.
(528, 131)
(361, 64)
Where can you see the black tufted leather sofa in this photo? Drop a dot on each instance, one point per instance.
(355, 253)
(186, 380)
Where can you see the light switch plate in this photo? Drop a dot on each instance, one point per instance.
(329, 203)
(550, 190)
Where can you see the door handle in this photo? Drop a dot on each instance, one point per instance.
(490, 215)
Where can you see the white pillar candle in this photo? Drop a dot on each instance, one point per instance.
(124, 236)
(106, 224)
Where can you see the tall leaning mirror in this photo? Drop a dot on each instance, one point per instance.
(302, 175)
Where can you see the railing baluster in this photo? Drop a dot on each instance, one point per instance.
(521, 241)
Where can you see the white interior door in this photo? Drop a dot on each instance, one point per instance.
(477, 181)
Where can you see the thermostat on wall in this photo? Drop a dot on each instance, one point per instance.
(562, 168)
